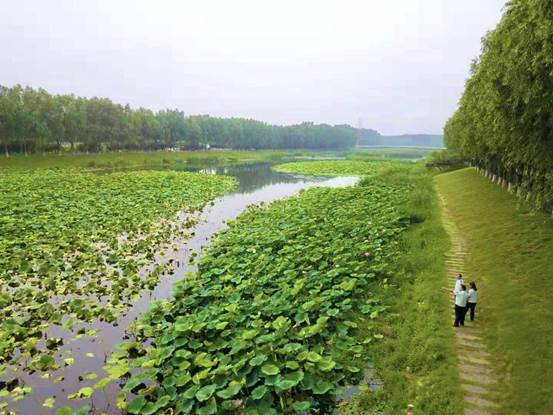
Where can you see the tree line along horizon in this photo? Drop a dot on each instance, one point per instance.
(33, 120)
(504, 121)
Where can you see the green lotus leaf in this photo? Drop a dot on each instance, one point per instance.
(259, 392)
(190, 392)
(301, 405)
(205, 360)
(313, 356)
(208, 409)
(136, 405)
(321, 387)
(64, 410)
(232, 389)
(205, 393)
(258, 359)
(326, 365)
(270, 369)
(292, 364)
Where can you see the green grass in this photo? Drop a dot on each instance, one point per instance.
(416, 362)
(153, 159)
(510, 256)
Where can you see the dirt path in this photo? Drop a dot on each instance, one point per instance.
(475, 370)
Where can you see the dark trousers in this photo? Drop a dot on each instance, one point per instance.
(460, 315)
(471, 307)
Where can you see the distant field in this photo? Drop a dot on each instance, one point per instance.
(402, 153)
(155, 158)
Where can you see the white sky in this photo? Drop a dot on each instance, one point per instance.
(398, 65)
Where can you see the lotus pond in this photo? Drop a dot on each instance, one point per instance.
(84, 254)
(280, 313)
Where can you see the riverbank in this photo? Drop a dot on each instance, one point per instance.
(510, 256)
(416, 359)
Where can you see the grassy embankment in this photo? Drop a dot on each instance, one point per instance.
(510, 255)
(416, 359)
(154, 159)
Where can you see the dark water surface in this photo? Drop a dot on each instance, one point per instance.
(258, 183)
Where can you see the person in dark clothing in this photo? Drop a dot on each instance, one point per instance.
(472, 296)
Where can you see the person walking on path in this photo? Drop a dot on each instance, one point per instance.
(472, 296)
(458, 283)
(461, 298)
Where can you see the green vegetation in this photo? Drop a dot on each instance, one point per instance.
(155, 159)
(416, 359)
(263, 327)
(510, 252)
(404, 153)
(446, 159)
(504, 120)
(34, 121)
(72, 244)
(338, 167)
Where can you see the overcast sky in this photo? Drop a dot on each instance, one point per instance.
(394, 65)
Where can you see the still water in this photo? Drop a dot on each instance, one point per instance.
(257, 183)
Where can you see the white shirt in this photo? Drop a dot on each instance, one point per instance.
(461, 298)
(458, 284)
(472, 295)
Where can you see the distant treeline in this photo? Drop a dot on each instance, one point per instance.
(369, 137)
(504, 123)
(32, 120)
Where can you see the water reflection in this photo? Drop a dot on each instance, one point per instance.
(250, 176)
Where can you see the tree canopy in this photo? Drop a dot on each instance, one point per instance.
(33, 120)
(504, 122)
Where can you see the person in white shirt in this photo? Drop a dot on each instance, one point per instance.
(471, 303)
(461, 298)
(458, 283)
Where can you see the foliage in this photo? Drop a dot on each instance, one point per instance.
(511, 252)
(411, 153)
(361, 167)
(269, 324)
(76, 243)
(444, 160)
(34, 120)
(416, 361)
(505, 116)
